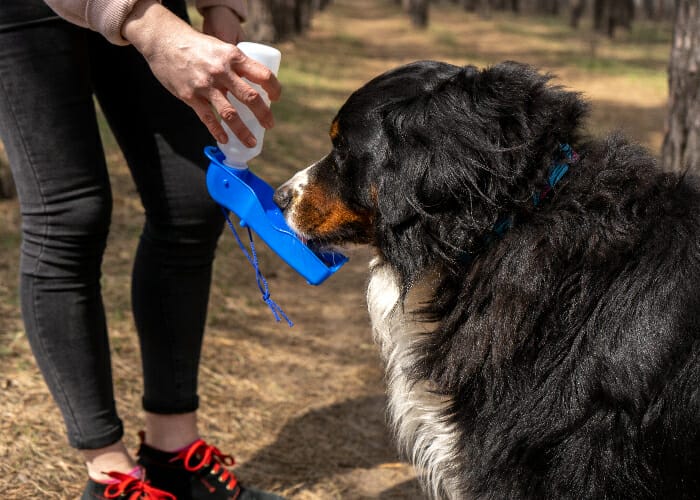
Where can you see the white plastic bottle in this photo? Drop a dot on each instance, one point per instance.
(235, 152)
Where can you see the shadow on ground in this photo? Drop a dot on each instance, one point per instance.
(327, 442)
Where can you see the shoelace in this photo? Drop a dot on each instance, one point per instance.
(205, 453)
(135, 488)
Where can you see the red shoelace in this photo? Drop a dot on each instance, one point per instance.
(135, 488)
(205, 453)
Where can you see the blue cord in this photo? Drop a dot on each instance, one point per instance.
(260, 279)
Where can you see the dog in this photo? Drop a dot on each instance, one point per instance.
(533, 292)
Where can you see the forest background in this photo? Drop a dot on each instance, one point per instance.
(303, 408)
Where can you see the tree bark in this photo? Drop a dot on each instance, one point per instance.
(659, 9)
(611, 14)
(483, 7)
(578, 7)
(7, 185)
(417, 11)
(550, 7)
(273, 21)
(303, 10)
(681, 148)
(470, 5)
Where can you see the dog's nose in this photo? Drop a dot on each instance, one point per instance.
(282, 196)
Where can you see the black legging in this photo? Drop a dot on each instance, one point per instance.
(49, 72)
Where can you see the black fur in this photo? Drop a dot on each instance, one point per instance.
(571, 345)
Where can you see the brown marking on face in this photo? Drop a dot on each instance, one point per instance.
(335, 130)
(320, 215)
(374, 195)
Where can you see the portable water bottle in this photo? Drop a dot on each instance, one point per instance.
(235, 187)
(237, 154)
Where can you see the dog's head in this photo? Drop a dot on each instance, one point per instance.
(427, 157)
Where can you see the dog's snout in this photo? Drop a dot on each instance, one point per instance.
(283, 196)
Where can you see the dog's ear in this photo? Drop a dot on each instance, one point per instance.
(394, 201)
(480, 139)
(529, 107)
(443, 155)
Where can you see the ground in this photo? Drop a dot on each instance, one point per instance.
(303, 408)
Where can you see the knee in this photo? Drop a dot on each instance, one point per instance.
(70, 232)
(193, 230)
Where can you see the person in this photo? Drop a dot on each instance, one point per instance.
(160, 84)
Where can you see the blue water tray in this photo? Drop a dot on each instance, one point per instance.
(250, 198)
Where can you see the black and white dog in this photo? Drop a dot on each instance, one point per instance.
(536, 297)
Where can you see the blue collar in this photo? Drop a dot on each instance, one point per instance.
(557, 170)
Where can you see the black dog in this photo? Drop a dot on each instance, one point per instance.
(535, 297)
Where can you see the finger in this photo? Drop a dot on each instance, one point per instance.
(230, 116)
(208, 118)
(258, 73)
(253, 100)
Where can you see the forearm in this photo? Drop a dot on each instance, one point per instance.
(103, 16)
(109, 16)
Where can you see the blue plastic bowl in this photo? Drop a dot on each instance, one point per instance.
(250, 198)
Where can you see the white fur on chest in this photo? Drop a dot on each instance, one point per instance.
(422, 432)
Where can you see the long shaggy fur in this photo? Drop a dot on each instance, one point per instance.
(558, 360)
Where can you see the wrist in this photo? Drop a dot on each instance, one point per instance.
(147, 23)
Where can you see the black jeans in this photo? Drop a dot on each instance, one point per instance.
(49, 72)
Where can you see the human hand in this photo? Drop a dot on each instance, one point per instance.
(200, 69)
(223, 23)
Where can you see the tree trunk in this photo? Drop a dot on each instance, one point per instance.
(649, 7)
(599, 8)
(550, 7)
(659, 9)
(7, 186)
(272, 21)
(681, 148)
(483, 7)
(610, 14)
(260, 25)
(418, 12)
(578, 7)
(303, 10)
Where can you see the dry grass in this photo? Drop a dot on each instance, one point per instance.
(302, 409)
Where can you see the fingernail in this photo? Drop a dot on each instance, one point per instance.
(223, 139)
(250, 141)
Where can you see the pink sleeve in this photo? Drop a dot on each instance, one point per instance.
(238, 6)
(103, 16)
(108, 16)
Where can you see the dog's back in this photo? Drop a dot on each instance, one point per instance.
(573, 359)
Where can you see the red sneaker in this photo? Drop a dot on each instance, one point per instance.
(197, 472)
(125, 487)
